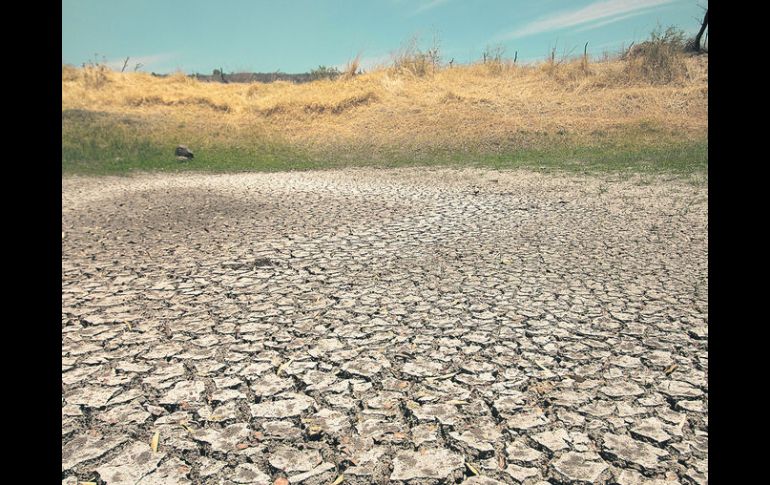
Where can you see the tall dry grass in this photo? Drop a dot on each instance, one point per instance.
(660, 60)
(410, 59)
(417, 102)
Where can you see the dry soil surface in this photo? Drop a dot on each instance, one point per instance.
(384, 326)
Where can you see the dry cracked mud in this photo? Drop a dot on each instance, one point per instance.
(420, 326)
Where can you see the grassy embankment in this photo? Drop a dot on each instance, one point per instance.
(646, 113)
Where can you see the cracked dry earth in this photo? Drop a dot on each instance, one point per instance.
(387, 326)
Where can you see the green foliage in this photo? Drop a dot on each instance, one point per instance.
(324, 72)
(100, 144)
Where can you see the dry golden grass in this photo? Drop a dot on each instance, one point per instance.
(478, 105)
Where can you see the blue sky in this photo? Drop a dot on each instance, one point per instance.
(299, 35)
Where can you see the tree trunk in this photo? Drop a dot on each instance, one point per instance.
(704, 24)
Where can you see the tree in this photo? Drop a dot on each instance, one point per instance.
(696, 43)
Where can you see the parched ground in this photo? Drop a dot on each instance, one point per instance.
(386, 326)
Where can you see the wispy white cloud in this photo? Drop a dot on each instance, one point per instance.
(596, 14)
(145, 61)
(596, 25)
(428, 6)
